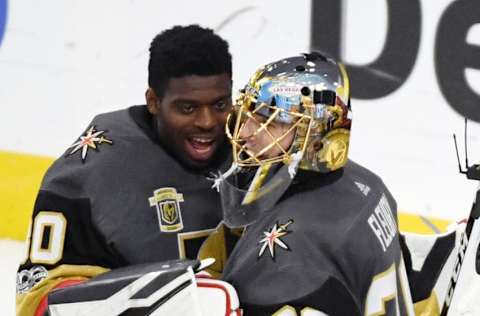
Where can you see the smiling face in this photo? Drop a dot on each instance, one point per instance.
(191, 117)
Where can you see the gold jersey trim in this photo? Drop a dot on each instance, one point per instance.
(27, 303)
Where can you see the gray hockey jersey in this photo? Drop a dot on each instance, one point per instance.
(329, 244)
(116, 198)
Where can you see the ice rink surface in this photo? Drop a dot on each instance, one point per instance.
(12, 253)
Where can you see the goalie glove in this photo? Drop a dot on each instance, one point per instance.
(164, 288)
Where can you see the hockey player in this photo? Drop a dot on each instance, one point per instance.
(133, 189)
(321, 231)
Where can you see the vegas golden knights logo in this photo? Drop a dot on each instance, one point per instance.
(167, 202)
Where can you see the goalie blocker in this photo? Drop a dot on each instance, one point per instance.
(164, 288)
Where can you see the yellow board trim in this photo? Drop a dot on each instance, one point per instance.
(413, 223)
(20, 176)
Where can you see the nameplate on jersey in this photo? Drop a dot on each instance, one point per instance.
(383, 223)
(167, 202)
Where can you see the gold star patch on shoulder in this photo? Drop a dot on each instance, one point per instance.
(272, 238)
(91, 139)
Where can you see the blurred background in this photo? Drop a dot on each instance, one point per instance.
(414, 68)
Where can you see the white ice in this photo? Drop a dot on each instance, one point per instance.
(12, 253)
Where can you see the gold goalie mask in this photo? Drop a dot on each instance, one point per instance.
(293, 114)
(309, 94)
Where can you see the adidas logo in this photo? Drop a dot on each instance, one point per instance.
(363, 188)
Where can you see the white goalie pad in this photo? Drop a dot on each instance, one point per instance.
(433, 255)
(152, 289)
(466, 277)
(178, 297)
(457, 282)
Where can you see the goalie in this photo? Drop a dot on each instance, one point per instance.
(321, 231)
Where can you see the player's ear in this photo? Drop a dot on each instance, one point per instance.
(152, 101)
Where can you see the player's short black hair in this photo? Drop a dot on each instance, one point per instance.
(186, 50)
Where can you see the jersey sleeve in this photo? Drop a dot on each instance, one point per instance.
(63, 245)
